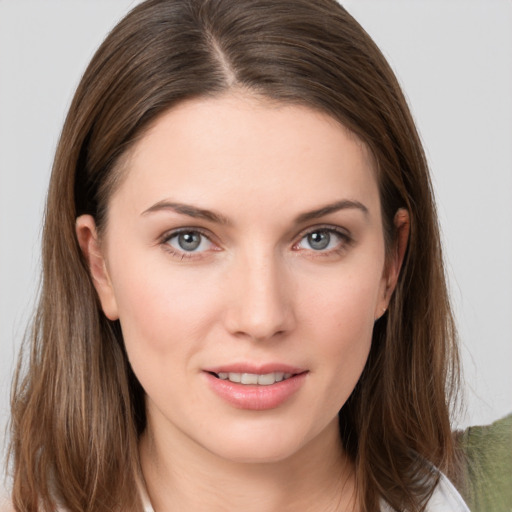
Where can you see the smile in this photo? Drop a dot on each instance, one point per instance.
(266, 379)
(256, 390)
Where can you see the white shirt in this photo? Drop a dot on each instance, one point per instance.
(445, 498)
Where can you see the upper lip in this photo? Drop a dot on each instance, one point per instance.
(258, 369)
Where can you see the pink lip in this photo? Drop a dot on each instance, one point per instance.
(255, 397)
(260, 369)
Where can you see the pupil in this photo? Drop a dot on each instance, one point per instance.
(319, 240)
(189, 241)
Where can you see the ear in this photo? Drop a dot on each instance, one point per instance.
(395, 258)
(91, 249)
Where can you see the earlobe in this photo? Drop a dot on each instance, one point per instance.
(89, 244)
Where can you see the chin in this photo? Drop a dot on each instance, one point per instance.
(244, 453)
(259, 444)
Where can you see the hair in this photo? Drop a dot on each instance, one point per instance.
(77, 408)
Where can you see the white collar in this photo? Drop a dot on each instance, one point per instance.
(445, 498)
(146, 503)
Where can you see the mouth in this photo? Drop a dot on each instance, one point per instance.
(255, 387)
(260, 379)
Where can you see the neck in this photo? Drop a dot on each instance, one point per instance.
(181, 475)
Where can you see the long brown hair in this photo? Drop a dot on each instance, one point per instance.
(77, 408)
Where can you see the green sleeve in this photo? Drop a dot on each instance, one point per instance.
(488, 466)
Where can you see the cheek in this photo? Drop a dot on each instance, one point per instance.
(343, 304)
(161, 309)
(165, 319)
(340, 319)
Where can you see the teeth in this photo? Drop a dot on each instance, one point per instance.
(249, 378)
(266, 379)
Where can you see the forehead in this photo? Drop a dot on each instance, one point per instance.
(241, 147)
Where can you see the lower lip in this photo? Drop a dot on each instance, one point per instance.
(255, 397)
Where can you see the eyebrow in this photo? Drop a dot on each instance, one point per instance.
(201, 213)
(345, 204)
(189, 210)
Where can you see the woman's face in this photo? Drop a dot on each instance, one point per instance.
(244, 243)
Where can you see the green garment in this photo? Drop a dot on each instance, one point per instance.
(488, 457)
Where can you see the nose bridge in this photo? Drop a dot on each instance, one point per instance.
(261, 304)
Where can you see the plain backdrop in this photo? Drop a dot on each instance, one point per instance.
(454, 60)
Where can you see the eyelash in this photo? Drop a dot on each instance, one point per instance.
(182, 254)
(345, 240)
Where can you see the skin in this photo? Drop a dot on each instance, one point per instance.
(255, 291)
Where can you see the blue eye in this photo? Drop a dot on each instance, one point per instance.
(322, 240)
(189, 241)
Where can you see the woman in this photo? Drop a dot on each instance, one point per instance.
(243, 299)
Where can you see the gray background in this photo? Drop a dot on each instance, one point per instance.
(454, 60)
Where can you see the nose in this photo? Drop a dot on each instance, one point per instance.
(260, 299)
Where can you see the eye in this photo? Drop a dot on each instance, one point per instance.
(189, 241)
(322, 240)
